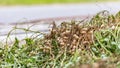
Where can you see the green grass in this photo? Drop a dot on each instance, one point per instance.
(30, 2)
(69, 45)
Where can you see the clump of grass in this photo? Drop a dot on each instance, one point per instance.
(94, 44)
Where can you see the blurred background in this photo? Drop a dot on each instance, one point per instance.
(39, 2)
(41, 13)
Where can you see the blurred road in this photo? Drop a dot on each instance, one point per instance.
(26, 13)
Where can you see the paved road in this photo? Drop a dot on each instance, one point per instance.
(26, 13)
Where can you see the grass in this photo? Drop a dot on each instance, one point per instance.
(91, 44)
(31, 2)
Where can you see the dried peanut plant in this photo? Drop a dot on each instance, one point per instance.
(75, 44)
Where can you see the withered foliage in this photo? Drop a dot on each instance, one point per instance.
(77, 35)
(71, 36)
